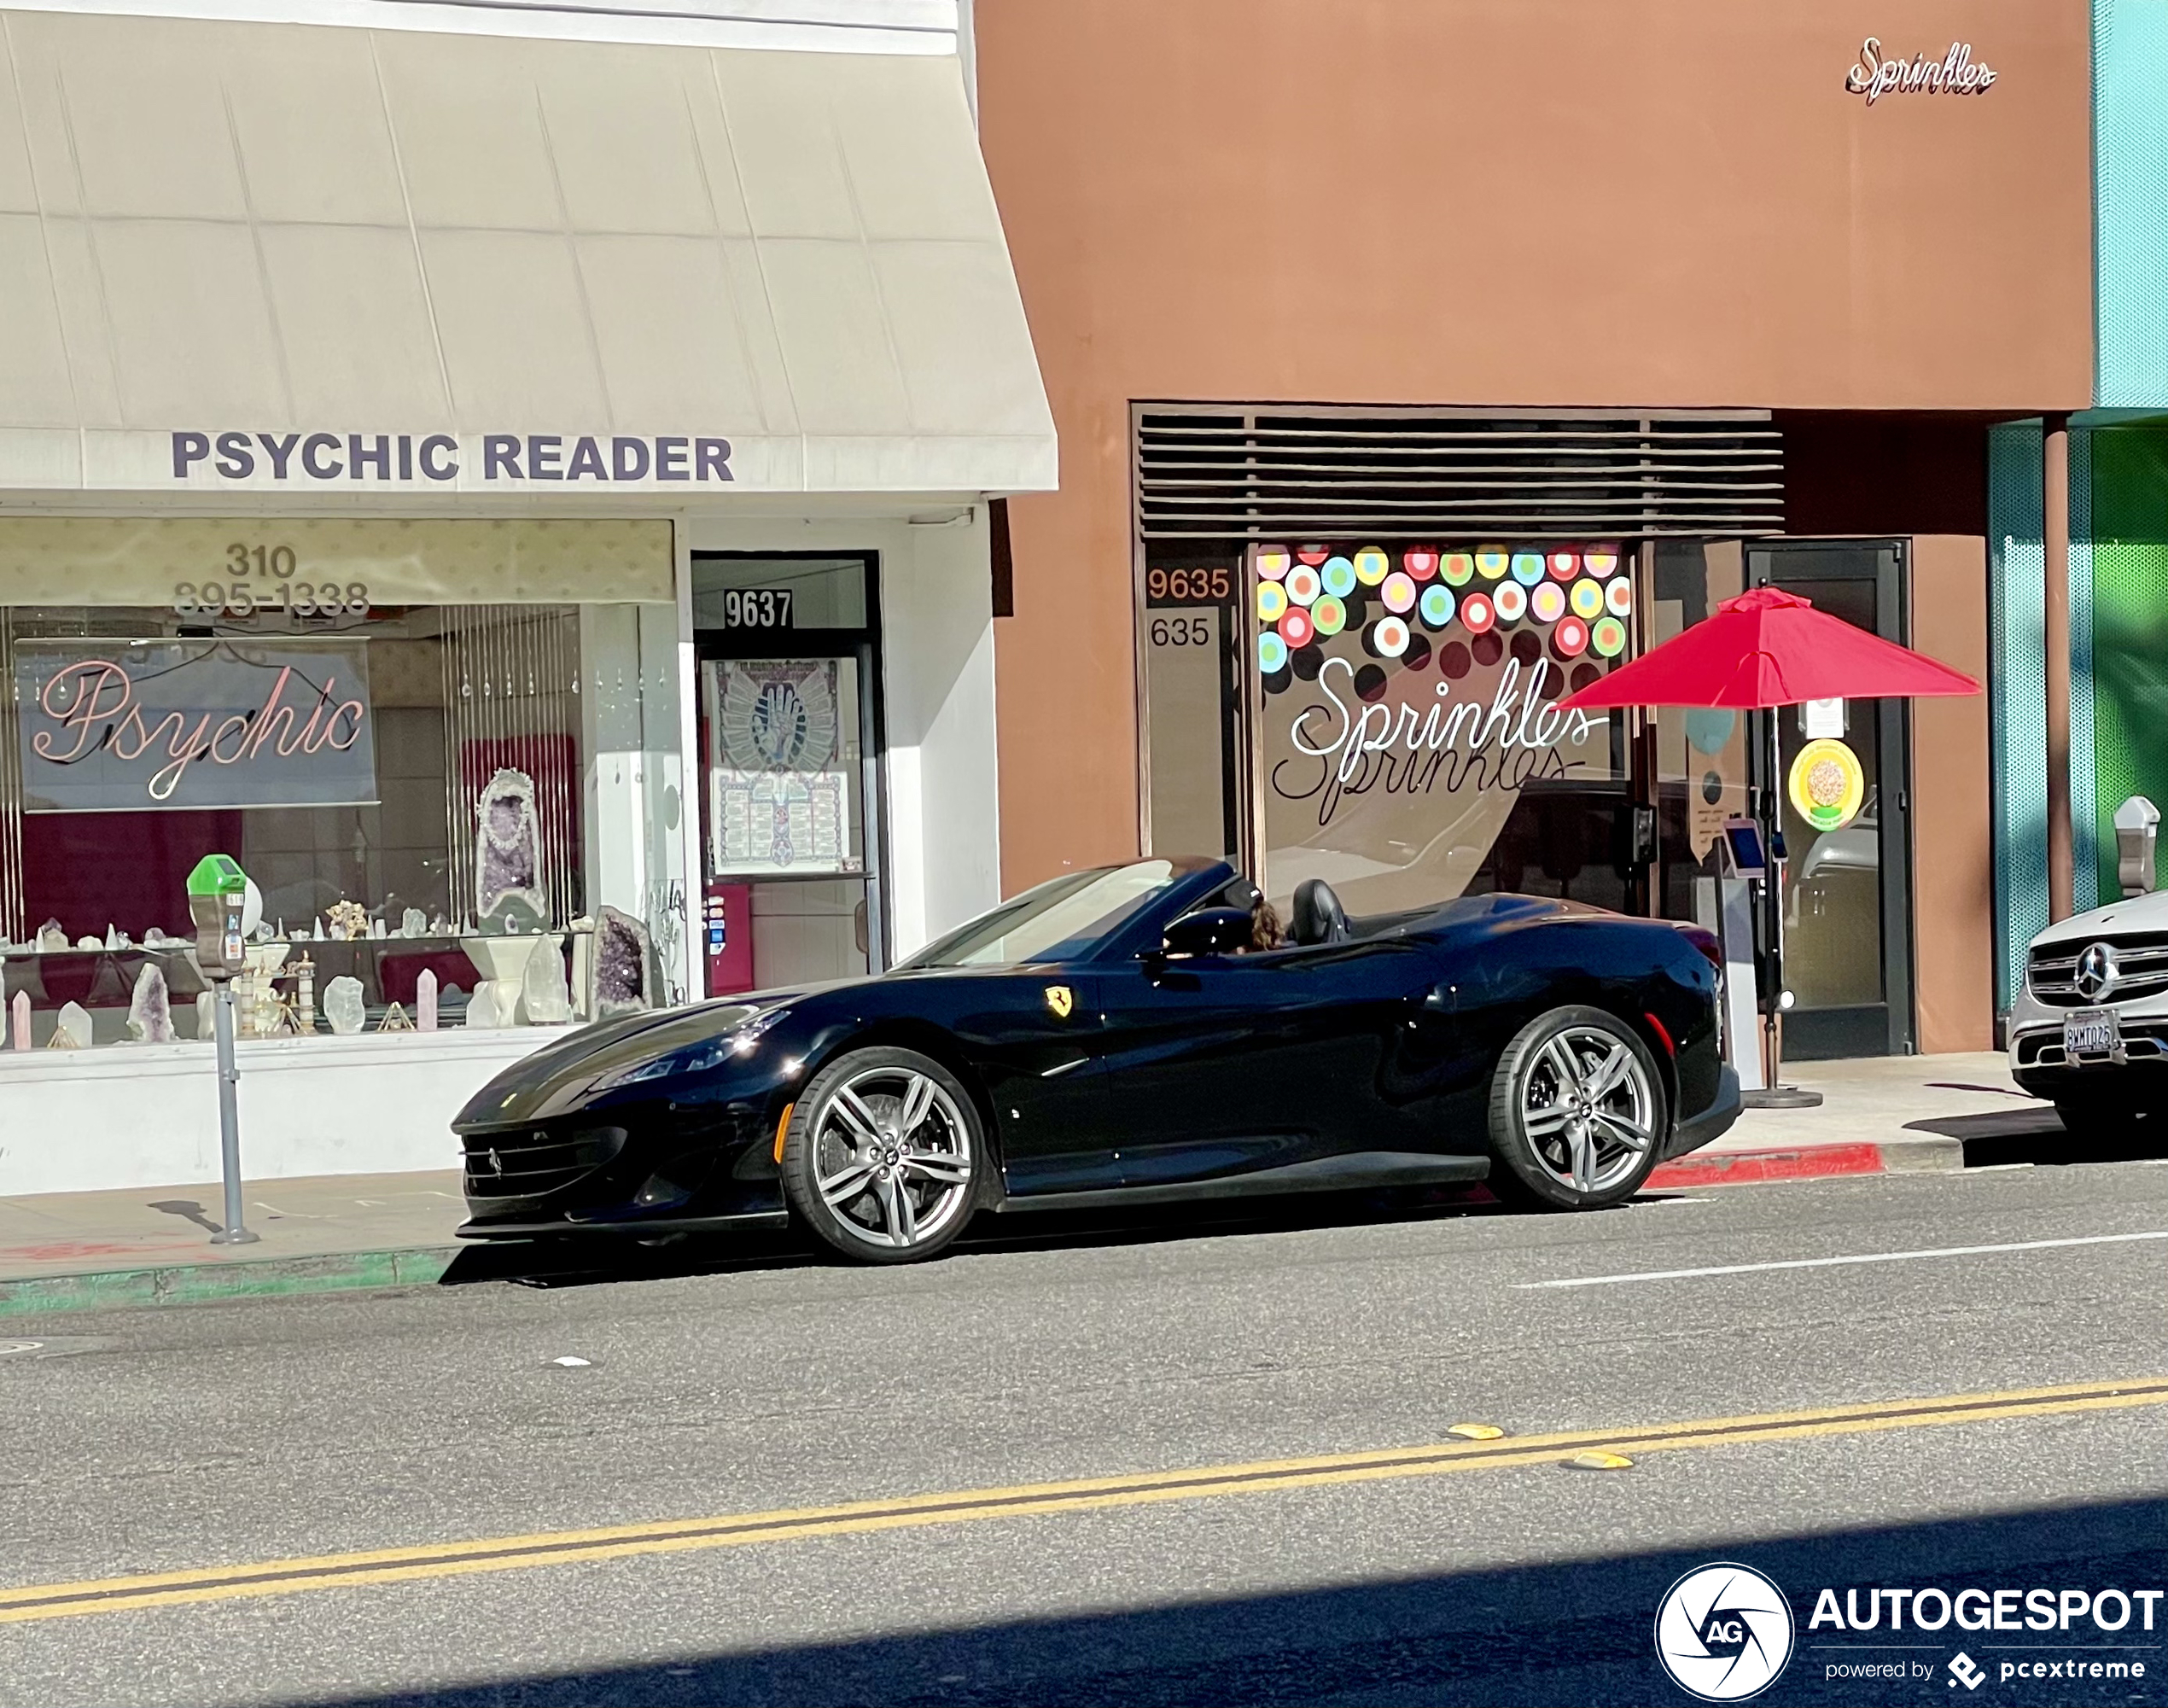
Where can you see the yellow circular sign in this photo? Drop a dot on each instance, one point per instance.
(1826, 785)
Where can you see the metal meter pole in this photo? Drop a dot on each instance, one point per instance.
(233, 1233)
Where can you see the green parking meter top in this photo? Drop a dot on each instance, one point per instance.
(217, 874)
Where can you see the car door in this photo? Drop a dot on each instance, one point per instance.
(1219, 1065)
(1033, 1035)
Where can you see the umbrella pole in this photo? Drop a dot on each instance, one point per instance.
(1774, 1094)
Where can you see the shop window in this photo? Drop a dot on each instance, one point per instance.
(1409, 746)
(426, 755)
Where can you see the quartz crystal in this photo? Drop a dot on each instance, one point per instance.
(413, 922)
(481, 1009)
(343, 1006)
(621, 965)
(543, 989)
(52, 937)
(151, 1012)
(71, 1031)
(425, 999)
(508, 856)
(18, 1018)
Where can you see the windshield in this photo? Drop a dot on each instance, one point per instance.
(1062, 919)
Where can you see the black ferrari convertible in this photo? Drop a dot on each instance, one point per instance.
(1114, 1038)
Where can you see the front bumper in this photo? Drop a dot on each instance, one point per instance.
(644, 1170)
(2038, 1065)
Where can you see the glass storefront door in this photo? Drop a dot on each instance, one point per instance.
(789, 749)
(1847, 908)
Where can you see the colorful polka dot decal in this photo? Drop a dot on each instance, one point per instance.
(1570, 601)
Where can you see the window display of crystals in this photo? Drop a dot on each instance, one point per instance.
(408, 786)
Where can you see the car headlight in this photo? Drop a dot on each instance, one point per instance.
(699, 1057)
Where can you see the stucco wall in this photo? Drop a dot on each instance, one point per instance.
(1537, 202)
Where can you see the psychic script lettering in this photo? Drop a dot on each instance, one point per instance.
(1351, 747)
(117, 726)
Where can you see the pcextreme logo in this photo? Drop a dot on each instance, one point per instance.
(1723, 1632)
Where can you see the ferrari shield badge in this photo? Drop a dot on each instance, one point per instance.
(1061, 1000)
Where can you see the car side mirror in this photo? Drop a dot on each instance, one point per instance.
(1212, 931)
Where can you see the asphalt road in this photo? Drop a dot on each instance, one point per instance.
(226, 1435)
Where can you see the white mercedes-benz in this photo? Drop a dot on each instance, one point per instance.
(2089, 1030)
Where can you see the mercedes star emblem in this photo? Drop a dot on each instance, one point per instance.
(2096, 971)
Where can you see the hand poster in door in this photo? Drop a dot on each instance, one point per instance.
(780, 787)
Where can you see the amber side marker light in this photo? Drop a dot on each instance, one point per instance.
(782, 1126)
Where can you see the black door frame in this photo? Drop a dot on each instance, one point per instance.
(1893, 765)
(862, 644)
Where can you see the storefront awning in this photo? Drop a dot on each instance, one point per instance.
(316, 261)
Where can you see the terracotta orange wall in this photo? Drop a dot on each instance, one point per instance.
(1539, 202)
(1953, 857)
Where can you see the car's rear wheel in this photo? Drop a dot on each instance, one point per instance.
(1577, 1112)
(883, 1155)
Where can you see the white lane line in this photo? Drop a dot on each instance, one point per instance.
(1836, 1262)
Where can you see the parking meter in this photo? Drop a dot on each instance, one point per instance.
(217, 899)
(2137, 829)
(218, 892)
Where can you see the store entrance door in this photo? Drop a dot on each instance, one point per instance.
(1848, 902)
(791, 811)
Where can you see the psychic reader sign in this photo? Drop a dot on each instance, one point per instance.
(122, 725)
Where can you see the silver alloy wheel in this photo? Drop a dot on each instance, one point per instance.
(892, 1158)
(1588, 1108)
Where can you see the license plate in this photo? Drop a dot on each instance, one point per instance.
(2092, 1032)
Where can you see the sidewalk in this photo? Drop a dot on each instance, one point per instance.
(1880, 1115)
(152, 1246)
(59, 1250)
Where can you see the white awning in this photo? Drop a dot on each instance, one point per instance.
(315, 262)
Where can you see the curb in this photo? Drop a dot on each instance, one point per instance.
(260, 1278)
(1809, 1163)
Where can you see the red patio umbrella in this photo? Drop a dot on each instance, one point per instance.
(1766, 649)
(1770, 648)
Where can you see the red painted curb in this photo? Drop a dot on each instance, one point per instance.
(1749, 1167)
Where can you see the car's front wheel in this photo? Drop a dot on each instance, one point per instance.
(1577, 1112)
(883, 1155)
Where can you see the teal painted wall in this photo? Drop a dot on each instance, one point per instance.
(2130, 202)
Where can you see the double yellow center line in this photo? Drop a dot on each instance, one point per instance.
(511, 1553)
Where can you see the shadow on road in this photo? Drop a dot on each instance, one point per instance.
(587, 1261)
(1571, 1632)
(2001, 1137)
